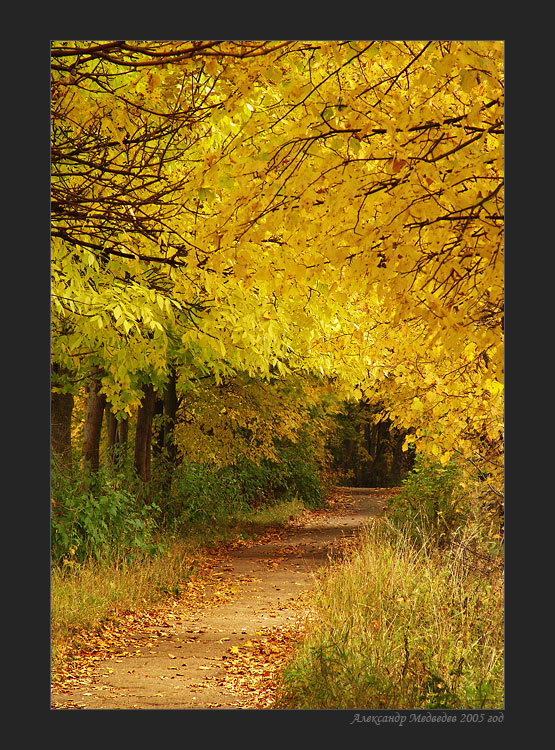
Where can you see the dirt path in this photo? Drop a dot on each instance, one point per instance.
(224, 654)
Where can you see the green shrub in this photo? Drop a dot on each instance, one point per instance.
(204, 492)
(300, 475)
(96, 517)
(431, 504)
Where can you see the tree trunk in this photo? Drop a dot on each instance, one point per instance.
(167, 435)
(122, 432)
(112, 425)
(378, 466)
(158, 440)
(170, 413)
(93, 424)
(61, 408)
(143, 433)
(397, 460)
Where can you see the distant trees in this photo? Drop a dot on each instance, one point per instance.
(367, 448)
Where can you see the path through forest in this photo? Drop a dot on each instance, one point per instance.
(226, 651)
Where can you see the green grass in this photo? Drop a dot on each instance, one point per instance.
(402, 626)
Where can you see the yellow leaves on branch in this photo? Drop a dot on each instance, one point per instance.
(240, 418)
(329, 206)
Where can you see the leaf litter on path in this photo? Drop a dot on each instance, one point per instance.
(225, 641)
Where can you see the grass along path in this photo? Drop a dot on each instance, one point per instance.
(223, 642)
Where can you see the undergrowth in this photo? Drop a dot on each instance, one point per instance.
(413, 618)
(113, 551)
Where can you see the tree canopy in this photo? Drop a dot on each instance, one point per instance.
(268, 207)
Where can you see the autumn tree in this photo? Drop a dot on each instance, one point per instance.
(129, 125)
(267, 207)
(379, 178)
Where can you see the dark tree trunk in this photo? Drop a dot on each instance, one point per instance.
(93, 424)
(61, 409)
(112, 425)
(122, 433)
(379, 470)
(168, 435)
(123, 430)
(397, 461)
(158, 440)
(170, 413)
(366, 468)
(143, 433)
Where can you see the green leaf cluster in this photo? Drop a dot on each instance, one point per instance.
(100, 519)
(432, 503)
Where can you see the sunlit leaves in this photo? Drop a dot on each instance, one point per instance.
(334, 207)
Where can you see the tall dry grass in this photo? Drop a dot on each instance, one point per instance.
(403, 626)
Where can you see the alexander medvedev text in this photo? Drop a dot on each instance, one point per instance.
(428, 717)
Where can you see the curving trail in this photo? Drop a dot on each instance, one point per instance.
(219, 656)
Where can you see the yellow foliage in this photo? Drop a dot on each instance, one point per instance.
(263, 207)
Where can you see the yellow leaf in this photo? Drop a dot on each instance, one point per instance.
(417, 405)
(408, 441)
(469, 80)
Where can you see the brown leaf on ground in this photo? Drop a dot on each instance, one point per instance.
(236, 624)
